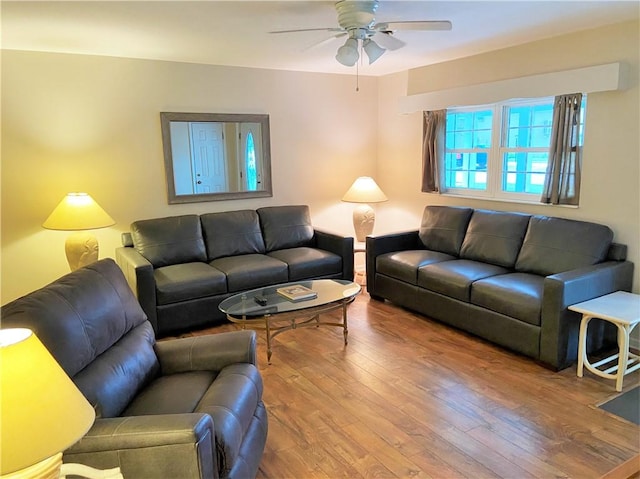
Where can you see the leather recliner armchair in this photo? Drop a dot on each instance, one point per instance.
(189, 407)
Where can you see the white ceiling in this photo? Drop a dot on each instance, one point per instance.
(236, 32)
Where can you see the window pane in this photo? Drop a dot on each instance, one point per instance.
(482, 139)
(462, 140)
(542, 115)
(469, 130)
(466, 170)
(541, 136)
(524, 172)
(529, 126)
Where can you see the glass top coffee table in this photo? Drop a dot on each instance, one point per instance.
(265, 308)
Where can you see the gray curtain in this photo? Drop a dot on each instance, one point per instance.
(562, 182)
(433, 143)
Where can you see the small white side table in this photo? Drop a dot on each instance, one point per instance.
(623, 310)
(360, 270)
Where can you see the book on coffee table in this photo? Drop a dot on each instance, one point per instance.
(297, 292)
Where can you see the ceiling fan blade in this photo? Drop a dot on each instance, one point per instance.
(387, 41)
(325, 41)
(310, 30)
(442, 25)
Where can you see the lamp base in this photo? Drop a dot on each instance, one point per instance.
(46, 469)
(80, 470)
(363, 219)
(81, 249)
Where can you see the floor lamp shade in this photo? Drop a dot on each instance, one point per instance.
(43, 412)
(364, 190)
(79, 212)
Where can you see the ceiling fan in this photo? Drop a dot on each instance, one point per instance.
(357, 22)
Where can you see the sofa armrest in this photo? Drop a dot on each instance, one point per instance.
(377, 245)
(560, 327)
(139, 274)
(340, 245)
(206, 353)
(171, 445)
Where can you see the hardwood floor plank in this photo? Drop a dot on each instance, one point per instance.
(411, 397)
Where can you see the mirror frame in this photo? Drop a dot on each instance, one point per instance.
(167, 117)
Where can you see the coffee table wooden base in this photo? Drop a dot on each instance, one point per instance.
(275, 324)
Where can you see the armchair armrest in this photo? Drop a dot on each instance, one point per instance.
(178, 445)
(209, 353)
(139, 274)
(340, 245)
(377, 245)
(560, 327)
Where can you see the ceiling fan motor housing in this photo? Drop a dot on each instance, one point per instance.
(356, 15)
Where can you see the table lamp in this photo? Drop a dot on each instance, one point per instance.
(79, 212)
(42, 411)
(364, 190)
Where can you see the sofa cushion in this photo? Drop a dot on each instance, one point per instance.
(494, 237)
(517, 295)
(171, 394)
(454, 278)
(403, 265)
(443, 228)
(286, 226)
(94, 327)
(305, 263)
(114, 378)
(64, 312)
(249, 271)
(232, 233)
(182, 282)
(171, 240)
(554, 245)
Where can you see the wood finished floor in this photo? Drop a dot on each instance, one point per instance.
(410, 397)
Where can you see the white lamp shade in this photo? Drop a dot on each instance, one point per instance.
(348, 53)
(373, 50)
(42, 411)
(364, 190)
(78, 211)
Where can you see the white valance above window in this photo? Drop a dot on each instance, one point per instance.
(592, 79)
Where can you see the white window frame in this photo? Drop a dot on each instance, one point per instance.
(471, 192)
(496, 152)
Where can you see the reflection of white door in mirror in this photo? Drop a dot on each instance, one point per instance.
(209, 166)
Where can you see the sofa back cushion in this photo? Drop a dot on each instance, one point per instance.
(171, 240)
(92, 324)
(494, 237)
(286, 226)
(443, 228)
(554, 245)
(232, 233)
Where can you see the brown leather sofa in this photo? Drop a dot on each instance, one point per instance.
(506, 277)
(187, 408)
(182, 267)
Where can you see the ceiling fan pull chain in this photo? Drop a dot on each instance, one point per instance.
(358, 69)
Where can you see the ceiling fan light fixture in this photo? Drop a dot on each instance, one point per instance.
(373, 50)
(348, 53)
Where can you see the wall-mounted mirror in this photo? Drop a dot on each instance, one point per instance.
(216, 156)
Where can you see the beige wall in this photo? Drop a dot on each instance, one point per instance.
(85, 123)
(72, 122)
(611, 163)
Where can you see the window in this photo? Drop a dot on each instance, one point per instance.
(500, 151)
(252, 172)
(468, 142)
